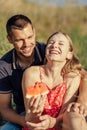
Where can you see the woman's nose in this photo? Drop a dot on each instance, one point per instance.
(55, 45)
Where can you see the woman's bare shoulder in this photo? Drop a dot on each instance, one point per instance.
(31, 70)
(84, 74)
(30, 76)
(73, 74)
(84, 79)
(73, 79)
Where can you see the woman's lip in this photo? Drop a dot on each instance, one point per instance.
(54, 52)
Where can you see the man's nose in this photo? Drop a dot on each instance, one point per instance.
(25, 42)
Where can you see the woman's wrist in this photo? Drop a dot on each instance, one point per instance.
(58, 123)
(52, 122)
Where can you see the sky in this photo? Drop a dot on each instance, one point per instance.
(60, 2)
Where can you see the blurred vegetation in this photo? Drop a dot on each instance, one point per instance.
(48, 19)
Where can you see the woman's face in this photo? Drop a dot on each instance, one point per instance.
(58, 48)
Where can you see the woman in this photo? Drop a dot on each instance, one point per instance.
(46, 112)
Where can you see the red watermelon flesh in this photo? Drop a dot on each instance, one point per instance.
(37, 89)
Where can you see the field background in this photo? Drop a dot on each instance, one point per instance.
(46, 20)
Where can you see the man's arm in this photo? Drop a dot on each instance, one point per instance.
(7, 111)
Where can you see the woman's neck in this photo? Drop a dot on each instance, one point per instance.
(52, 73)
(55, 67)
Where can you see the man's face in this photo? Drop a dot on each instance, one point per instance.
(23, 40)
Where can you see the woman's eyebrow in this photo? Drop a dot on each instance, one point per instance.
(61, 41)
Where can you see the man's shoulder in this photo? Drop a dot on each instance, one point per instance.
(6, 59)
(40, 45)
(40, 49)
(7, 56)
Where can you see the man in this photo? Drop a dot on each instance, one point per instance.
(26, 53)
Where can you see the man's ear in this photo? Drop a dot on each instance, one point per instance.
(69, 55)
(9, 39)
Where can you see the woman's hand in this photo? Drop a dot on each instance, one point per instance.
(45, 123)
(77, 107)
(35, 106)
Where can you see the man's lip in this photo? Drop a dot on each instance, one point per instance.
(26, 49)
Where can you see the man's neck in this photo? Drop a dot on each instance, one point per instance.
(25, 61)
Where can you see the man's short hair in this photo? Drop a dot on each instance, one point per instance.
(17, 22)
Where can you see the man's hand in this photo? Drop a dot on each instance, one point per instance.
(77, 107)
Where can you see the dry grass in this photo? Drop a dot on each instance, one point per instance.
(47, 20)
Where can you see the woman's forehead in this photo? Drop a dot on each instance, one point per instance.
(59, 36)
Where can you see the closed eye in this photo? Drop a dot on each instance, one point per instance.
(18, 40)
(61, 43)
(30, 36)
(51, 42)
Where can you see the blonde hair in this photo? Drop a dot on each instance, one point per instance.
(73, 64)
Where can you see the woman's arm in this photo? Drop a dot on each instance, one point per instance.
(33, 105)
(72, 90)
(82, 98)
(80, 106)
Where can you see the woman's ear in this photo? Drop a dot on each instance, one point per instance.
(69, 55)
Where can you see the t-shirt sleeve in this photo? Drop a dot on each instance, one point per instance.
(5, 86)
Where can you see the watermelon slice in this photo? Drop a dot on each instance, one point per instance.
(38, 89)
